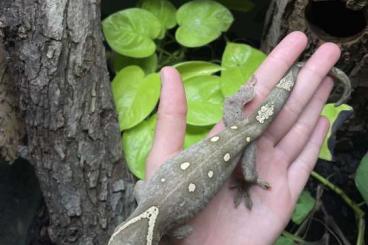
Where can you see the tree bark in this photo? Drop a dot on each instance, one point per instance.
(58, 62)
(11, 123)
(323, 21)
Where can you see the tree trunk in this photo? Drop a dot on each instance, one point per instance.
(11, 123)
(323, 21)
(58, 62)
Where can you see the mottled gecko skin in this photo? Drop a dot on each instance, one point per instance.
(184, 184)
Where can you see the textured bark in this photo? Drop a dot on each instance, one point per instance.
(356, 4)
(285, 16)
(58, 61)
(11, 123)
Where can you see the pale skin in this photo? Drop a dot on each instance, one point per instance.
(286, 153)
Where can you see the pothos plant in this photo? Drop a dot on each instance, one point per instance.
(141, 39)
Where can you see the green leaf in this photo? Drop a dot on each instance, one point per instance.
(238, 5)
(303, 207)
(137, 143)
(135, 96)
(165, 12)
(195, 134)
(231, 81)
(148, 64)
(130, 32)
(284, 241)
(336, 116)
(239, 62)
(190, 69)
(361, 178)
(205, 101)
(201, 22)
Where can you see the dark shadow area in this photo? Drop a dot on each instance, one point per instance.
(334, 19)
(20, 204)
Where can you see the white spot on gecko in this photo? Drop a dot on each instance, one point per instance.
(286, 83)
(227, 157)
(265, 112)
(214, 138)
(247, 139)
(150, 214)
(163, 180)
(184, 165)
(210, 174)
(191, 187)
(234, 127)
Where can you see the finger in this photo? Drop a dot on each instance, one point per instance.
(276, 65)
(273, 69)
(171, 120)
(301, 168)
(295, 140)
(309, 78)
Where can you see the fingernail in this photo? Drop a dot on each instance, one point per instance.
(162, 75)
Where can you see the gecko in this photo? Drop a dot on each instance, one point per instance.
(184, 184)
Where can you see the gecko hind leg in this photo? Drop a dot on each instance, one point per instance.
(250, 177)
(242, 194)
(248, 164)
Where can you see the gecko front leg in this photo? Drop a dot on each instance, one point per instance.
(233, 105)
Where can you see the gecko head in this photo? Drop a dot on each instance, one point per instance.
(138, 229)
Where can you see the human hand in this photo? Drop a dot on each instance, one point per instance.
(286, 152)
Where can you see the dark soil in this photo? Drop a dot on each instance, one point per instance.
(351, 146)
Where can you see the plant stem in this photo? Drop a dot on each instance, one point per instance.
(359, 213)
(293, 237)
(164, 51)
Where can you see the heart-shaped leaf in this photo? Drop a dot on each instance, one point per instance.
(282, 240)
(165, 12)
(190, 69)
(205, 101)
(195, 134)
(303, 207)
(336, 116)
(135, 96)
(130, 32)
(201, 22)
(361, 178)
(137, 143)
(239, 62)
(148, 64)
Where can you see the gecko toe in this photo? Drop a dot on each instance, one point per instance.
(242, 194)
(263, 184)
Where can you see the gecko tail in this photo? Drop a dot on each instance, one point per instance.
(339, 75)
(346, 83)
(132, 235)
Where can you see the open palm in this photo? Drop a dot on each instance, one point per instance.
(286, 153)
